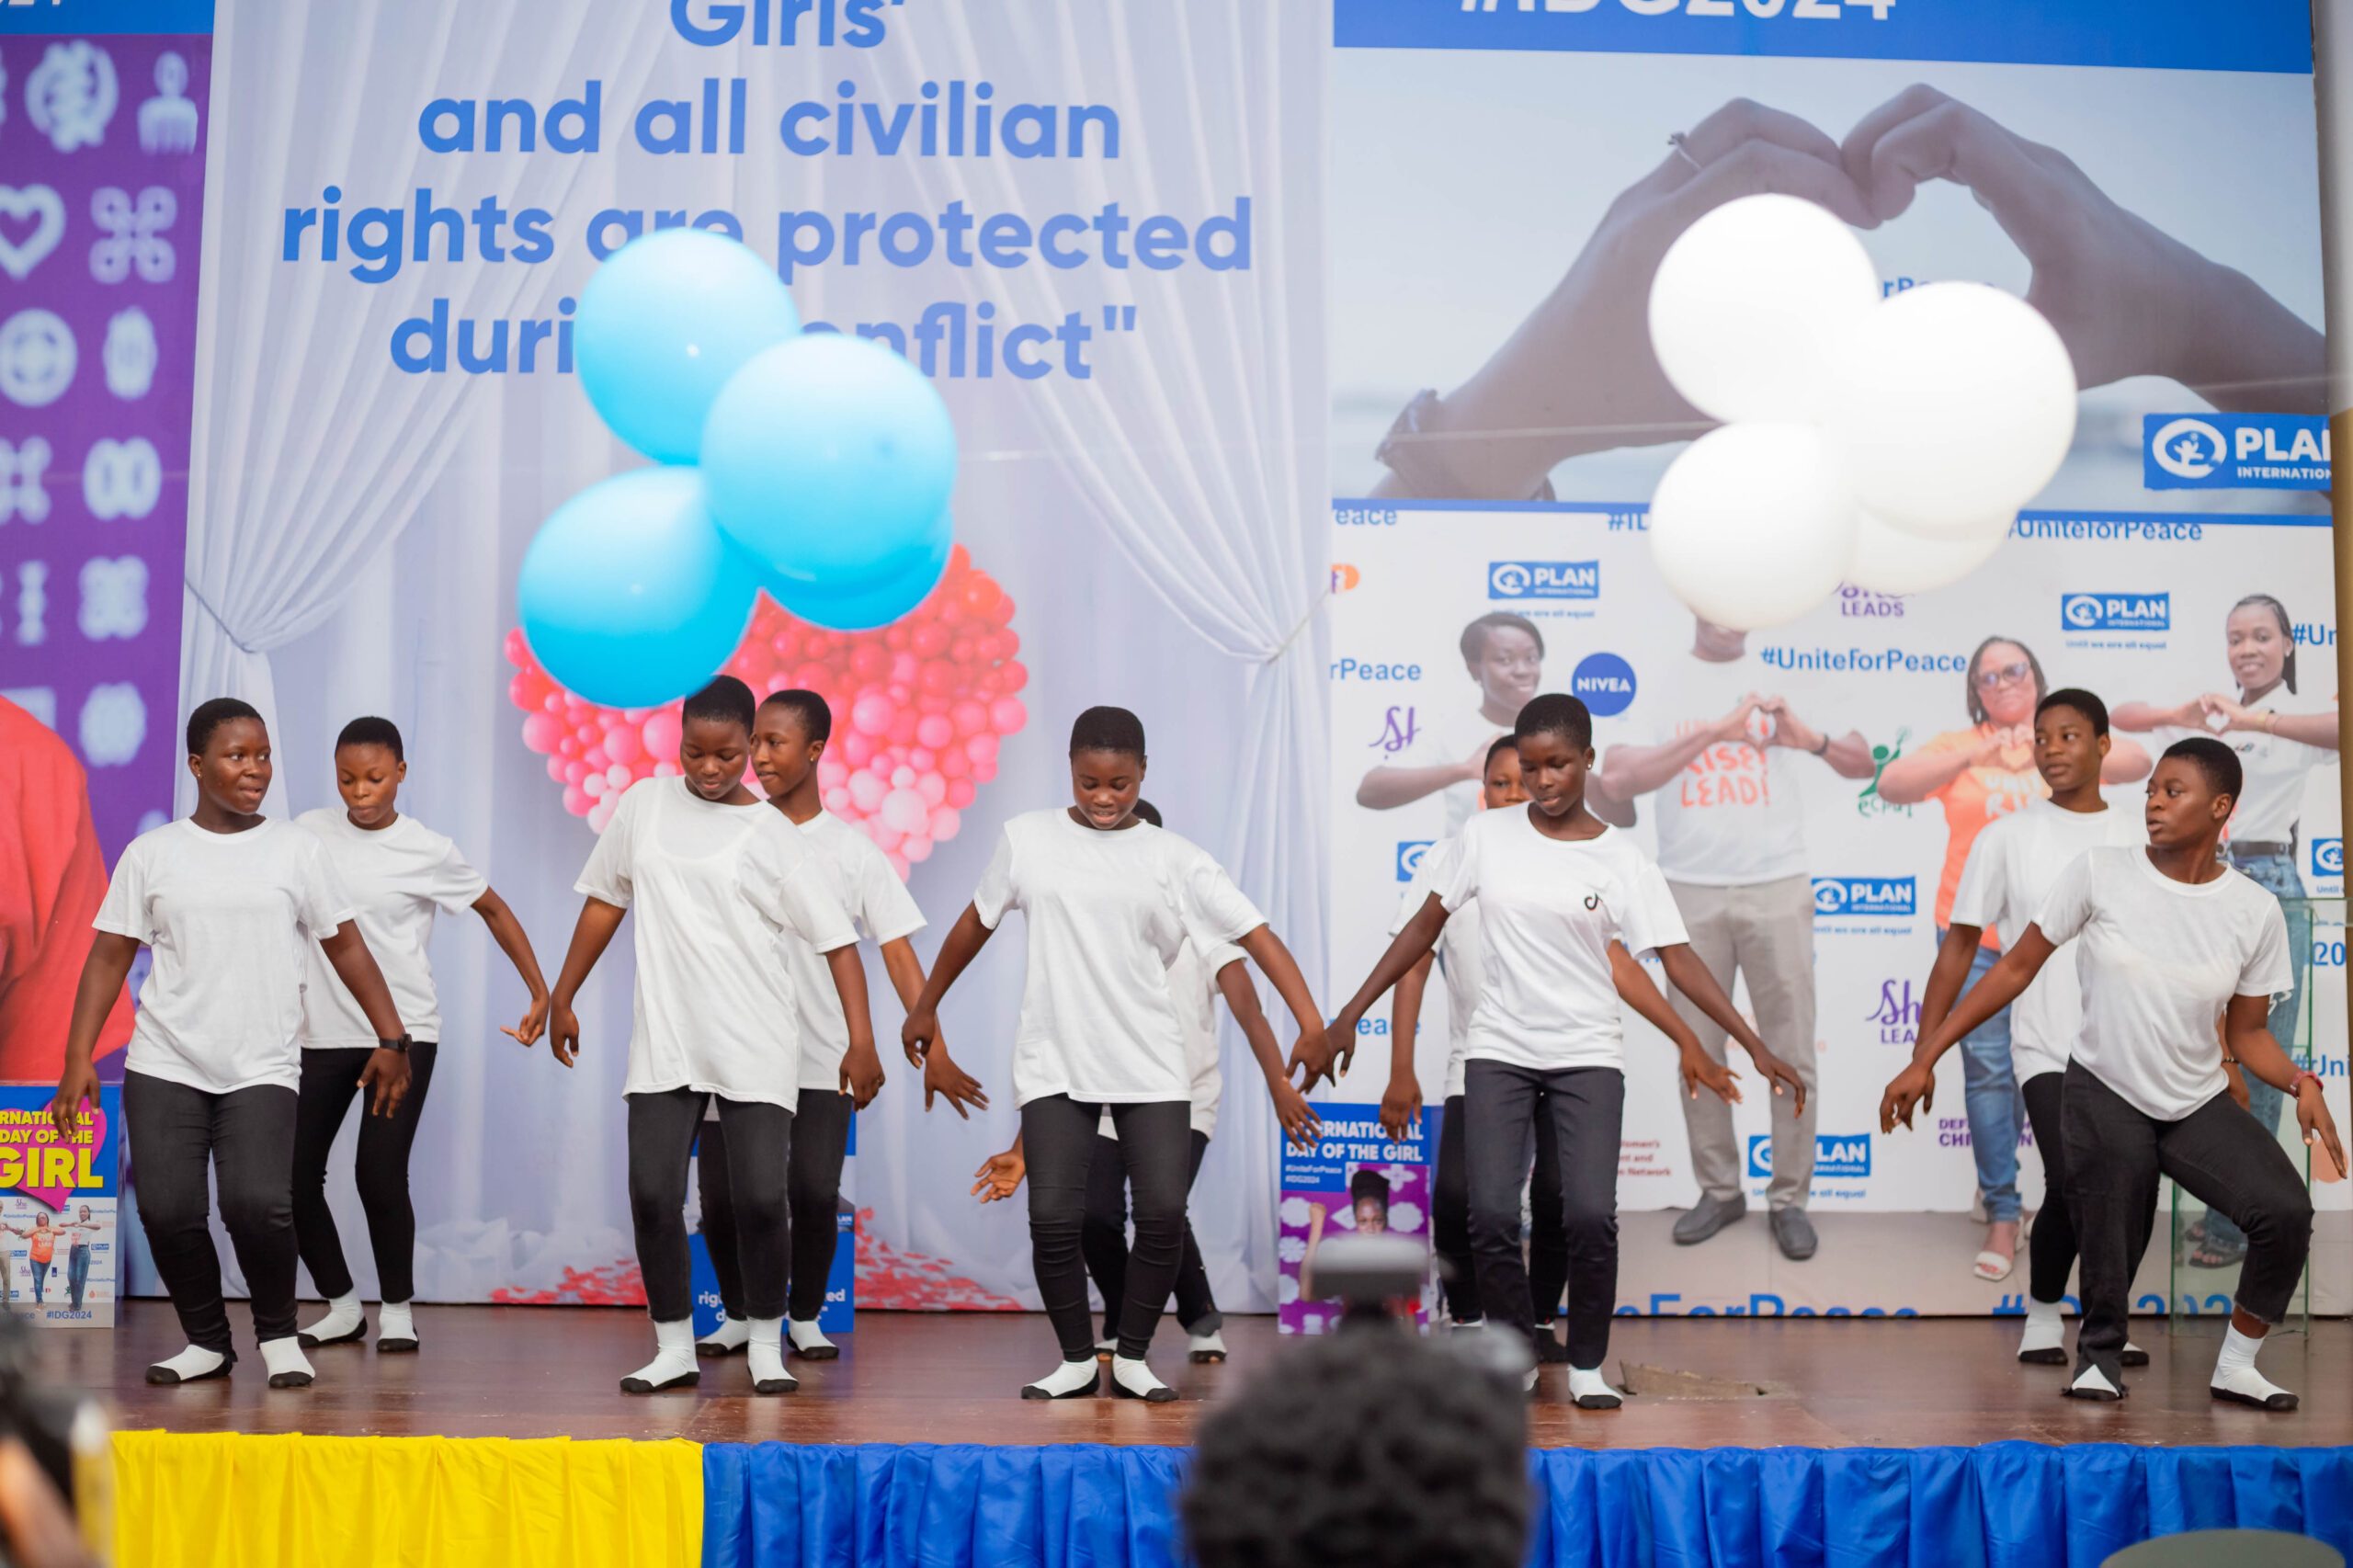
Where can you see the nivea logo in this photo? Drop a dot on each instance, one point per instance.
(1604, 684)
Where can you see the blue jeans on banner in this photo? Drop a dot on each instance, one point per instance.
(1991, 1098)
(2276, 874)
(77, 1273)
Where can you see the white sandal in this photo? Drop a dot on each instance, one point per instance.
(1992, 1267)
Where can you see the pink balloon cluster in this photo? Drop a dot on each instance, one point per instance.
(920, 708)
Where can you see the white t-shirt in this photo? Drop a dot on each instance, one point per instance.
(1460, 955)
(397, 878)
(2273, 797)
(227, 917)
(715, 889)
(1461, 736)
(1105, 913)
(1546, 999)
(1192, 985)
(2011, 867)
(2158, 960)
(1735, 815)
(878, 905)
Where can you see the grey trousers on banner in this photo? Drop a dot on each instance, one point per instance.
(1765, 933)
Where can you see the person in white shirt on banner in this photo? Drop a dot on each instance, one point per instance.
(228, 902)
(1195, 984)
(2168, 940)
(2010, 869)
(398, 872)
(1731, 814)
(2280, 736)
(789, 736)
(1567, 902)
(1108, 900)
(1460, 956)
(718, 879)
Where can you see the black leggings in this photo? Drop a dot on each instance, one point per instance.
(661, 1145)
(812, 1194)
(1104, 1241)
(1587, 1107)
(247, 1139)
(1155, 1140)
(1548, 1245)
(2051, 1255)
(379, 1169)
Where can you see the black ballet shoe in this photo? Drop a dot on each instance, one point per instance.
(1163, 1395)
(1598, 1402)
(816, 1353)
(1084, 1391)
(2281, 1401)
(396, 1347)
(2054, 1356)
(714, 1352)
(290, 1379)
(162, 1375)
(776, 1385)
(2098, 1396)
(2133, 1355)
(639, 1385)
(312, 1342)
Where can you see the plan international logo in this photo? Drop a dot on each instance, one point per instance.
(1836, 1156)
(2234, 451)
(1543, 579)
(1409, 858)
(2116, 612)
(1863, 898)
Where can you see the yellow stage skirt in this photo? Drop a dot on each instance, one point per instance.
(225, 1500)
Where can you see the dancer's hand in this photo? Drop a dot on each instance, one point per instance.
(1780, 1075)
(2320, 1128)
(534, 1023)
(80, 1083)
(384, 1081)
(1915, 1087)
(2234, 1084)
(1000, 1176)
(1702, 1071)
(1325, 1053)
(563, 1033)
(1300, 1125)
(943, 1079)
(861, 1076)
(1401, 1106)
(916, 1035)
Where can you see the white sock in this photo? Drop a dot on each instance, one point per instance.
(806, 1335)
(1068, 1377)
(2235, 1368)
(343, 1315)
(2091, 1380)
(394, 1321)
(1527, 1383)
(1588, 1382)
(674, 1354)
(1210, 1344)
(193, 1363)
(1470, 1323)
(1107, 1347)
(732, 1333)
(284, 1358)
(765, 1351)
(2046, 1329)
(1136, 1377)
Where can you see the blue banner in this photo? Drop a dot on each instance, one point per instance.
(109, 17)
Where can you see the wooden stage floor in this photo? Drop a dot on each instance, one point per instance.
(925, 1378)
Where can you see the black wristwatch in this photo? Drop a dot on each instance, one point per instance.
(400, 1045)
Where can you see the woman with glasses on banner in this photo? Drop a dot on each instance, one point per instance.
(1976, 775)
(2280, 734)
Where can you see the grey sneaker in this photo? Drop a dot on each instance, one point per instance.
(1794, 1233)
(1706, 1217)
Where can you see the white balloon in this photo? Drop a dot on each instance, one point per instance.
(1952, 403)
(1891, 561)
(1749, 303)
(1753, 526)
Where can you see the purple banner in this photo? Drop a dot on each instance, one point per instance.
(101, 207)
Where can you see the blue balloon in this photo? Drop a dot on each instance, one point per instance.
(664, 324)
(864, 606)
(830, 459)
(629, 595)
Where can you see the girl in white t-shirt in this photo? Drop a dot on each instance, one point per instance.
(1566, 902)
(227, 902)
(2168, 939)
(2280, 734)
(1108, 900)
(718, 879)
(398, 873)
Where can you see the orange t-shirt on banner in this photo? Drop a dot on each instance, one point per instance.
(53, 878)
(43, 1242)
(1975, 798)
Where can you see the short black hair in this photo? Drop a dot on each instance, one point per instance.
(371, 730)
(816, 714)
(1148, 811)
(1551, 714)
(2218, 763)
(1367, 1447)
(1369, 1184)
(210, 716)
(1474, 640)
(1502, 743)
(2081, 701)
(1108, 729)
(725, 700)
